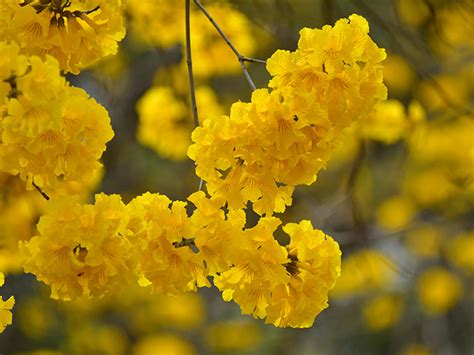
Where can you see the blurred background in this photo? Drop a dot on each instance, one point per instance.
(398, 195)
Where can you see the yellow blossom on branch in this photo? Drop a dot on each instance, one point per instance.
(286, 285)
(81, 249)
(50, 132)
(284, 137)
(76, 32)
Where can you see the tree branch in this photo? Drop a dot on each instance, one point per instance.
(242, 59)
(44, 194)
(189, 62)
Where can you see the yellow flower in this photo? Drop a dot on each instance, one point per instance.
(164, 123)
(398, 75)
(258, 266)
(460, 251)
(93, 338)
(416, 349)
(233, 335)
(184, 312)
(163, 344)
(50, 132)
(315, 264)
(81, 249)
(424, 241)
(382, 312)
(76, 32)
(413, 12)
(439, 290)
(217, 235)
(5, 308)
(287, 286)
(162, 232)
(395, 212)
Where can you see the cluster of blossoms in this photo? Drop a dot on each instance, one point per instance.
(76, 32)
(281, 139)
(82, 249)
(50, 132)
(286, 134)
(92, 250)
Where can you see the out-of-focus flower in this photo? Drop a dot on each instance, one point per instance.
(233, 336)
(163, 344)
(165, 120)
(185, 311)
(390, 123)
(398, 75)
(460, 252)
(413, 12)
(364, 271)
(416, 349)
(424, 241)
(439, 290)
(396, 212)
(383, 311)
(96, 339)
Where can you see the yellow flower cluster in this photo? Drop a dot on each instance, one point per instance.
(50, 132)
(5, 308)
(75, 32)
(286, 285)
(93, 249)
(283, 137)
(158, 227)
(259, 153)
(211, 55)
(81, 249)
(164, 123)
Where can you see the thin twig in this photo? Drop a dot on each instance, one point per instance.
(242, 59)
(44, 194)
(189, 62)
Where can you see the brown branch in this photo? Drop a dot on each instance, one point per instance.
(189, 62)
(242, 59)
(44, 194)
